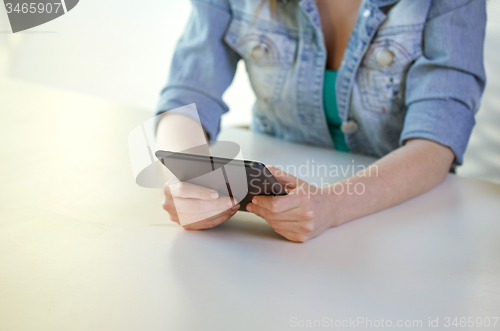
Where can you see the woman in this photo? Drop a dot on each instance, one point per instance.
(399, 80)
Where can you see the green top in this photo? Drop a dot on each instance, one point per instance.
(331, 111)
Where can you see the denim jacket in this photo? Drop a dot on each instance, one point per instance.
(412, 69)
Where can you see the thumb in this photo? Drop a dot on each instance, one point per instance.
(284, 178)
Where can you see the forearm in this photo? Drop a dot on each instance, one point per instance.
(409, 171)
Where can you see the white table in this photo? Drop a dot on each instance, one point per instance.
(83, 248)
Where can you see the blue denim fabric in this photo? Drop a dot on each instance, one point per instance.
(432, 90)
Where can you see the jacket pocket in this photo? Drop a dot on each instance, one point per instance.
(268, 56)
(382, 75)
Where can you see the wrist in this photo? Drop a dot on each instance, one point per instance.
(331, 206)
(341, 196)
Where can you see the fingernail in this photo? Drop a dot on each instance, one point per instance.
(249, 207)
(233, 212)
(254, 200)
(214, 195)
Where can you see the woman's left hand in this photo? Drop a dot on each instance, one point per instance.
(301, 215)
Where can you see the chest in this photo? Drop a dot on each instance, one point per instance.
(338, 18)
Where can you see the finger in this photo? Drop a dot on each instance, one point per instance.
(293, 236)
(191, 191)
(208, 224)
(168, 206)
(295, 214)
(212, 221)
(174, 219)
(301, 227)
(196, 206)
(167, 193)
(166, 189)
(287, 180)
(185, 219)
(280, 203)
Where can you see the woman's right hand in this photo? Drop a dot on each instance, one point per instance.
(195, 207)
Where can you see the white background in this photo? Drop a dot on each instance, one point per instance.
(117, 49)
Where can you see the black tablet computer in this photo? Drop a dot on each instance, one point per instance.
(241, 179)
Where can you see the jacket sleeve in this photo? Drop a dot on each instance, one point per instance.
(445, 84)
(203, 66)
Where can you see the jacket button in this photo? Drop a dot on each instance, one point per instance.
(259, 52)
(384, 58)
(349, 127)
